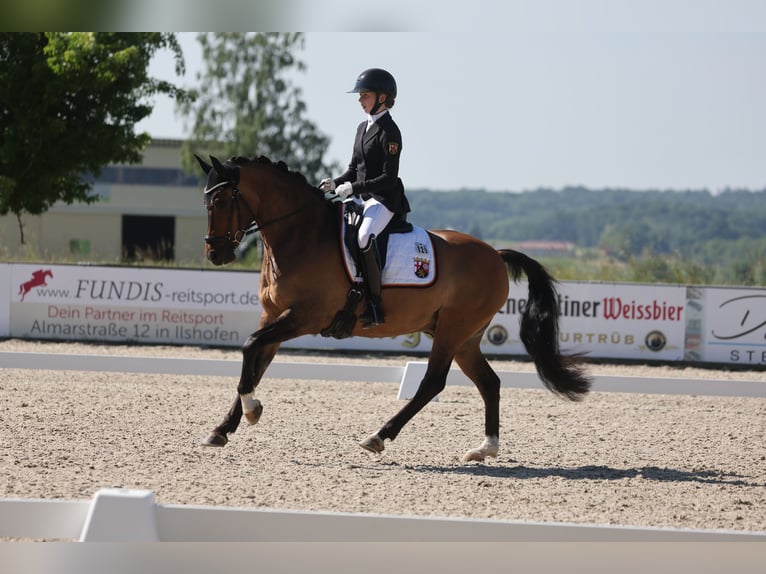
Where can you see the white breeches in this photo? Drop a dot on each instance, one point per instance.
(374, 219)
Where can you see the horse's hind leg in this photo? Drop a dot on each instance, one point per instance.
(432, 384)
(476, 367)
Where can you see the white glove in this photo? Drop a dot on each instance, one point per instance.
(344, 190)
(332, 197)
(327, 184)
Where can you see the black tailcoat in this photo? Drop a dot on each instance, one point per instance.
(374, 167)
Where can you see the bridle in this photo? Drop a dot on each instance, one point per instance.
(242, 231)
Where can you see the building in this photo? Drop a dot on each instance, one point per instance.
(147, 211)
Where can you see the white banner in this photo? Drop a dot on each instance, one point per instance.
(599, 319)
(221, 308)
(5, 297)
(732, 325)
(143, 305)
(603, 320)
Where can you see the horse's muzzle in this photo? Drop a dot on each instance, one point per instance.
(219, 251)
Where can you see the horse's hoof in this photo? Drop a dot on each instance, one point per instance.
(488, 448)
(254, 416)
(373, 444)
(475, 454)
(215, 439)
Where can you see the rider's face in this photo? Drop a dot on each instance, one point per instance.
(367, 100)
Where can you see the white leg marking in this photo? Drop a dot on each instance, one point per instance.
(251, 408)
(249, 402)
(489, 448)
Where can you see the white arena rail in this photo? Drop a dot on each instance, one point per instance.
(123, 515)
(407, 376)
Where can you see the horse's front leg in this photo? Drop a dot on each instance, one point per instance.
(255, 360)
(256, 357)
(257, 354)
(219, 435)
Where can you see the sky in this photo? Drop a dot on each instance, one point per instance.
(669, 95)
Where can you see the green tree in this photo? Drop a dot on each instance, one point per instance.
(69, 103)
(247, 103)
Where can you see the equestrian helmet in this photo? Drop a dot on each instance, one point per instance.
(375, 80)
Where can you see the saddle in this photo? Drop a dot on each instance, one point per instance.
(407, 260)
(352, 220)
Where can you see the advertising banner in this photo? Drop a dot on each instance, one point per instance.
(603, 320)
(221, 308)
(5, 296)
(126, 304)
(599, 319)
(731, 325)
(411, 343)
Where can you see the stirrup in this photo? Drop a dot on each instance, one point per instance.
(372, 316)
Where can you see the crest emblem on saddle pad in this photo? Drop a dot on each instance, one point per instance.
(422, 267)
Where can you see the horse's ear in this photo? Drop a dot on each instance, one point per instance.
(206, 167)
(217, 165)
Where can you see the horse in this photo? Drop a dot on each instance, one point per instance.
(306, 290)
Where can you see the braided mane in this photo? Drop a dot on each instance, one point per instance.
(263, 160)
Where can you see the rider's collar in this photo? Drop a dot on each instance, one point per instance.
(375, 117)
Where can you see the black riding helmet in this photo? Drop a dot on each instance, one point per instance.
(379, 81)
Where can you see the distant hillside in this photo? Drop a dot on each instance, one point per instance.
(693, 226)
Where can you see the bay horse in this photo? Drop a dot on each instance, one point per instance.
(305, 289)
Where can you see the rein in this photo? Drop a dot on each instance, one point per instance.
(242, 231)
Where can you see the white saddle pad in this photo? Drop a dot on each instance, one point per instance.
(410, 260)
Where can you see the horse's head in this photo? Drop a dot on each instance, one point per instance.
(248, 195)
(228, 215)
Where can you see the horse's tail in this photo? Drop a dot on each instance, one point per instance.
(539, 329)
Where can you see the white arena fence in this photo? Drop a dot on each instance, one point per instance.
(408, 376)
(124, 515)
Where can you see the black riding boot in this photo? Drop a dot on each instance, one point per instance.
(373, 314)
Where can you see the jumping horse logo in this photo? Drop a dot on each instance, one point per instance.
(38, 280)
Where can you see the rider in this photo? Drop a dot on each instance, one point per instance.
(372, 179)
